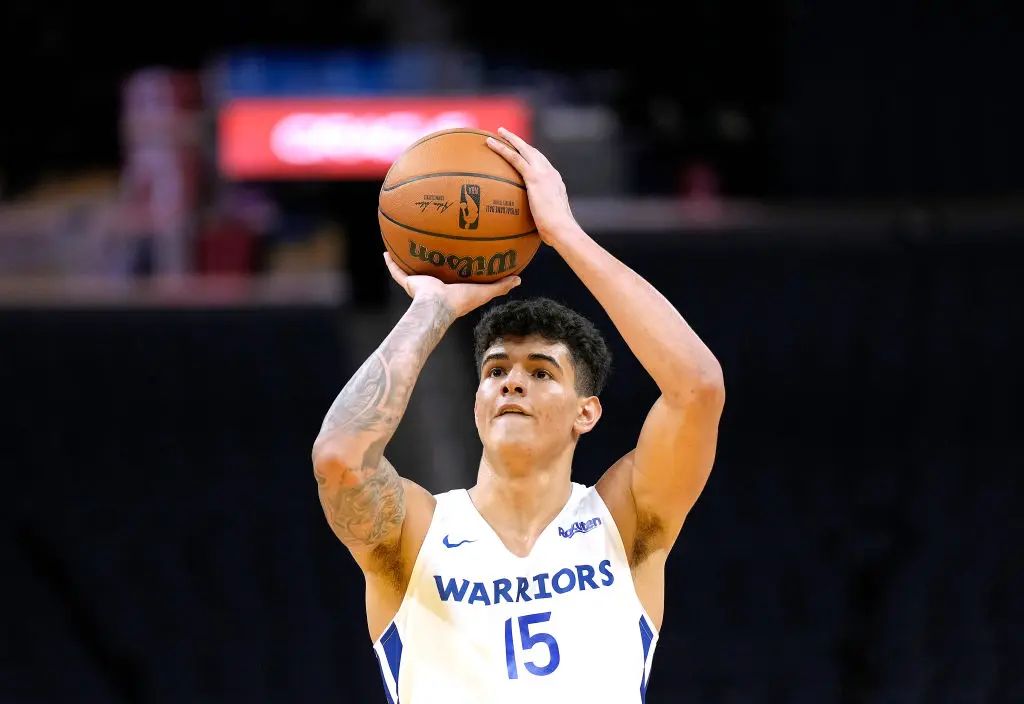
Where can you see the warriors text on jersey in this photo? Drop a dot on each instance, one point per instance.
(480, 625)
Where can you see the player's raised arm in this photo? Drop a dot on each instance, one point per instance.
(676, 448)
(361, 493)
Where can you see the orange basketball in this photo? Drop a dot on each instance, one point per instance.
(452, 208)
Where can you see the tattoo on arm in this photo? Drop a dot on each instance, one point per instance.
(365, 508)
(366, 502)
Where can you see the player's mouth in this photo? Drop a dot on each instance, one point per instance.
(511, 409)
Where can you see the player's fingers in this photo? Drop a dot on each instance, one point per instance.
(397, 274)
(496, 289)
(503, 286)
(528, 151)
(517, 141)
(511, 155)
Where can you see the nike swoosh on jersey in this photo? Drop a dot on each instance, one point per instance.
(455, 545)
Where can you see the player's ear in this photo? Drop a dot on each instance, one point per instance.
(588, 414)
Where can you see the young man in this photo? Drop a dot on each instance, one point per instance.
(526, 587)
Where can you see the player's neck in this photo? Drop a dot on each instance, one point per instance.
(522, 499)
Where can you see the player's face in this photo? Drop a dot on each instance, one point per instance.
(527, 396)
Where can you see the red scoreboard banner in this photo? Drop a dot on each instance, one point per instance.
(345, 138)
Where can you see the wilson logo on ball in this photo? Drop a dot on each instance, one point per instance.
(495, 265)
(469, 207)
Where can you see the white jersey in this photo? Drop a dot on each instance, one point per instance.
(480, 625)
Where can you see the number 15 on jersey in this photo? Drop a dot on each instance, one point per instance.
(528, 640)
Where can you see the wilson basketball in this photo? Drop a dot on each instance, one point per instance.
(452, 208)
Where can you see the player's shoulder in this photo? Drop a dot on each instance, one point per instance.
(615, 485)
(420, 507)
(584, 496)
(448, 506)
(449, 495)
(452, 498)
(616, 492)
(418, 497)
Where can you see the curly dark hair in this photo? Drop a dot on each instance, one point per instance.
(553, 322)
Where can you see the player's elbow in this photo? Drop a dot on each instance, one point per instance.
(709, 389)
(710, 377)
(713, 381)
(704, 386)
(333, 458)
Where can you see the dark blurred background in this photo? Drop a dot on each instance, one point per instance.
(830, 192)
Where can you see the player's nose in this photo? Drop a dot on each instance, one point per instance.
(513, 385)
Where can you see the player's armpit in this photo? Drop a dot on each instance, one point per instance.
(672, 462)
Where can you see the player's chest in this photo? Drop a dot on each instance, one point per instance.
(469, 567)
(484, 576)
(532, 618)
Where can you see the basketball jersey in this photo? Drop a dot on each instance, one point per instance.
(480, 625)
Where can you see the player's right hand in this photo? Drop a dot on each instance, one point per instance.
(462, 298)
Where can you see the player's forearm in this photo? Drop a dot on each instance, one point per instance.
(360, 491)
(366, 414)
(663, 342)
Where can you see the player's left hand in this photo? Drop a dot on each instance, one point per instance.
(549, 201)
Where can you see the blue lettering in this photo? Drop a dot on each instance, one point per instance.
(447, 591)
(540, 586)
(570, 584)
(580, 527)
(586, 575)
(479, 594)
(501, 587)
(522, 586)
(542, 589)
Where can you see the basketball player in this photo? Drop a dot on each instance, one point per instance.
(528, 587)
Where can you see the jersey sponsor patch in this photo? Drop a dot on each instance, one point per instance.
(579, 527)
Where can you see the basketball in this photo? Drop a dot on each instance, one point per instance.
(452, 208)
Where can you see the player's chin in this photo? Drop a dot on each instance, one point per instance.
(509, 438)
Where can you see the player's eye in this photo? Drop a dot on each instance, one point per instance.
(495, 371)
(543, 374)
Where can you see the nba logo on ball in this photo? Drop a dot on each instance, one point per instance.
(469, 207)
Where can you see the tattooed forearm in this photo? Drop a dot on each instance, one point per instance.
(361, 492)
(376, 396)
